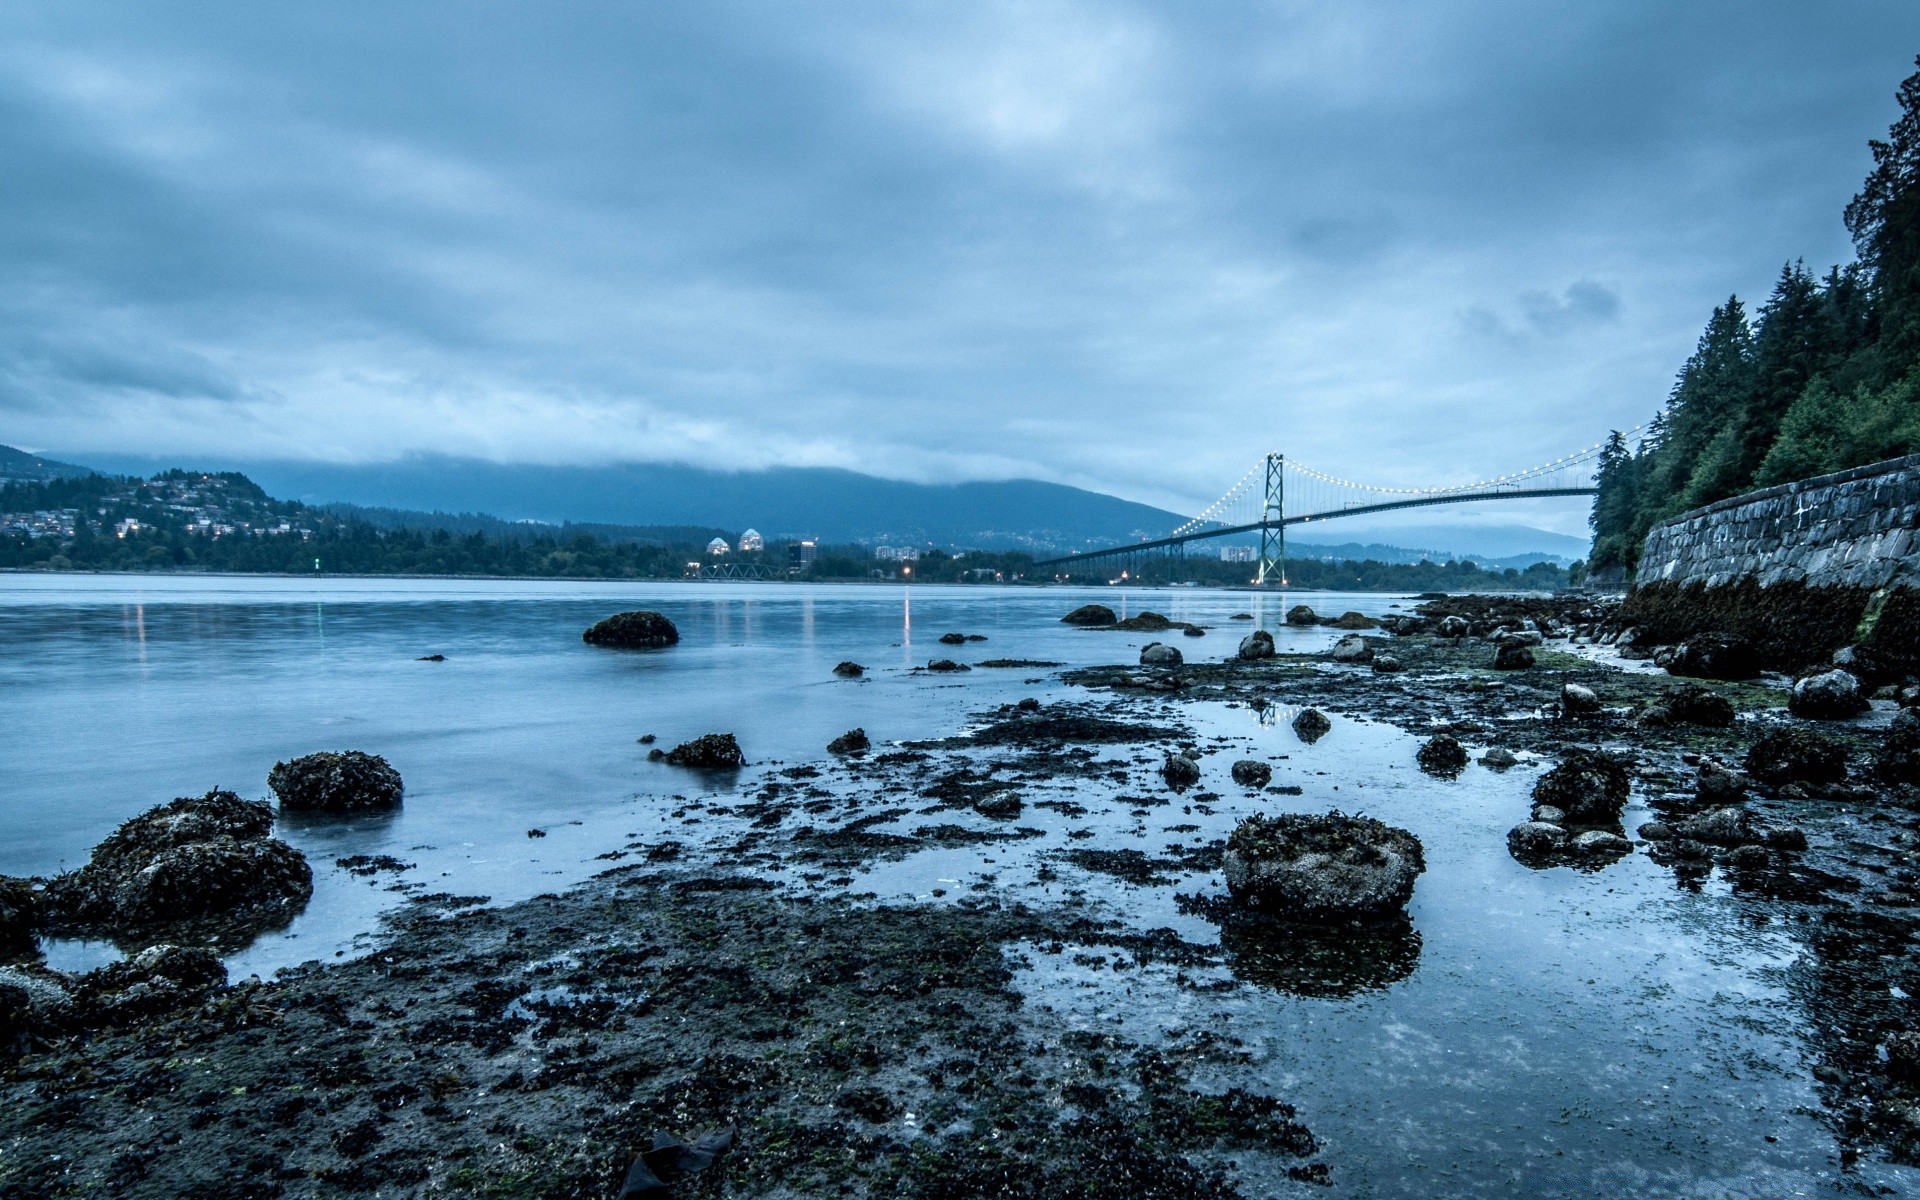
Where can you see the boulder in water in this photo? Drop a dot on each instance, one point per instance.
(345, 782)
(1829, 696)
(1590, 786)
(708, 752)
(642, 629)
(1716, 785)
(849, 670)
(1577, 700)
(1159, 654)
(1300, 614)
(1180, 771)
(1354, 620)
(1351, 649)
(1321, 868)
(1310, 725)
(1256, 645)
(947, 665)
(1535, 840)
(1252, 773)
(853, 741)
(1442, 754)
(199, 857)
(1091, 614)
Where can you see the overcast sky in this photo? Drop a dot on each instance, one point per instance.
(1122, 246)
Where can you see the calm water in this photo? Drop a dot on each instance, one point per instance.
(1549, 1033)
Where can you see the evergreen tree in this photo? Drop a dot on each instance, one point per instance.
(1884, 219)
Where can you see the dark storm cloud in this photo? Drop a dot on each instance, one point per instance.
(1125, 246)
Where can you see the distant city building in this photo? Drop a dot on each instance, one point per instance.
(750, 541)
(896, 553)
(800, 555)
(1239, 554)
(692, 571)
(718, 546)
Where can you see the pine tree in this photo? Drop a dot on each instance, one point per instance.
(1884, 219)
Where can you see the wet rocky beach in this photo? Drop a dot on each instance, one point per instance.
(1003, 957)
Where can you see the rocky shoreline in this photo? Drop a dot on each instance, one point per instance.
(857, 1048)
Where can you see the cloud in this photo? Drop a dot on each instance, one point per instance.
(1118, 245)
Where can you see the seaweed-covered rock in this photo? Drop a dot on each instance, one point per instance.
(1180, 771)
(1903, 1055)
(1256, 645)
(1536, 840)
(1310, 725)
(156, 980)
(1321, 868)
(1782, 756)
(345, 782)
(1731, 825)
(1300, 614)
(1499, 758)
(1442, 754)
(1351, 649)
(1599, 843)
(1511, 654)
(1717, 786)
(849, 670)
(1691, 704)
(853, 741)
(1590, 786)
(947, 666)
(1899, 757)
(1159, 654)
(1453, 627)
(708, 752)
(1712, 656)
(200, 856)
(1252, 773)
(1386, 664)
(1091, 614)
(642, 629)
(1578, 700)
(1354, 620)
(19, 914)
(1829, 696)
(34, 1003)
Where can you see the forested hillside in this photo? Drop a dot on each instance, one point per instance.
(1825, 375)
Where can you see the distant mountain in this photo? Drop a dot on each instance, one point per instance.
(19, 466)
(828, 504)
(1482, 543)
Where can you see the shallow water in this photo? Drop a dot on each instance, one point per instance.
(1537, 1033)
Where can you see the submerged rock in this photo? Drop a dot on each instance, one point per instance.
(1159, 654)
(1091, 614)
(1321, 868)
(1252, 773)
(849, 670)
(1782, 756)
(642, 629)
(345, 782)
(1351, 649)
(1590, 786)
(199, 856)
(1829, 696)
(1442, 754)
(1310, 725)
(853, 741)
(708, 752)
(1256, 645)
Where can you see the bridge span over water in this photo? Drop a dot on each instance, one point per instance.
(1277, 493)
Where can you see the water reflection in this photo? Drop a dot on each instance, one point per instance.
(1322, 962)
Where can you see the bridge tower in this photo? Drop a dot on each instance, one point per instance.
(1273, 529)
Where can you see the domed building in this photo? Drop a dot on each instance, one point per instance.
(717, 547)
(751, 541)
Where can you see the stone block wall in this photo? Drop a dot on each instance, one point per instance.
(1857, 528)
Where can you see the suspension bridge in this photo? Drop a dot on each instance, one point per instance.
(1279, 492)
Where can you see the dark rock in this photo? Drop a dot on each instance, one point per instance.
(642, 629)
(1691, 704)
(853, 741)
(1159, 654)
(1590, 786)
(1499, 759)
(1091, 614)
(158, 979)
(1351, 649)
(1180, 771)
(1256, 645)
(1899, 757)
(1599, 843)
(1387, 664)
(1442, 754)
(1786, 837)
(1453, 627)
(1252, 773)
(1749, 858)
(656, 755)
(1241, 617)
(1535, 840)
(1549, 814)
(1716, 785)
(346, 782)
(1903, 1055)
(1300, 614)
(1001, 806)
(1712, 656)
(1512, 656)
(708, 752)
(849, 670)
(953, 639)
(1656, 831)
(1829, 696)
(1028, 704)
(1729, 826)
(202, 856)
(1354, 620)
(19, 914)
(1781, 756)
(1192, 631)
(947, 664)
(35, 1003)
(1867, 664)
(431, 658)
(1578, 701)
(1310, 725)
(1321, 868)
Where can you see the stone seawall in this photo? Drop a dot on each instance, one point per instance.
(1799, 570)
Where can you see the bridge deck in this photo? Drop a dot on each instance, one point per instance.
(1333, 514)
